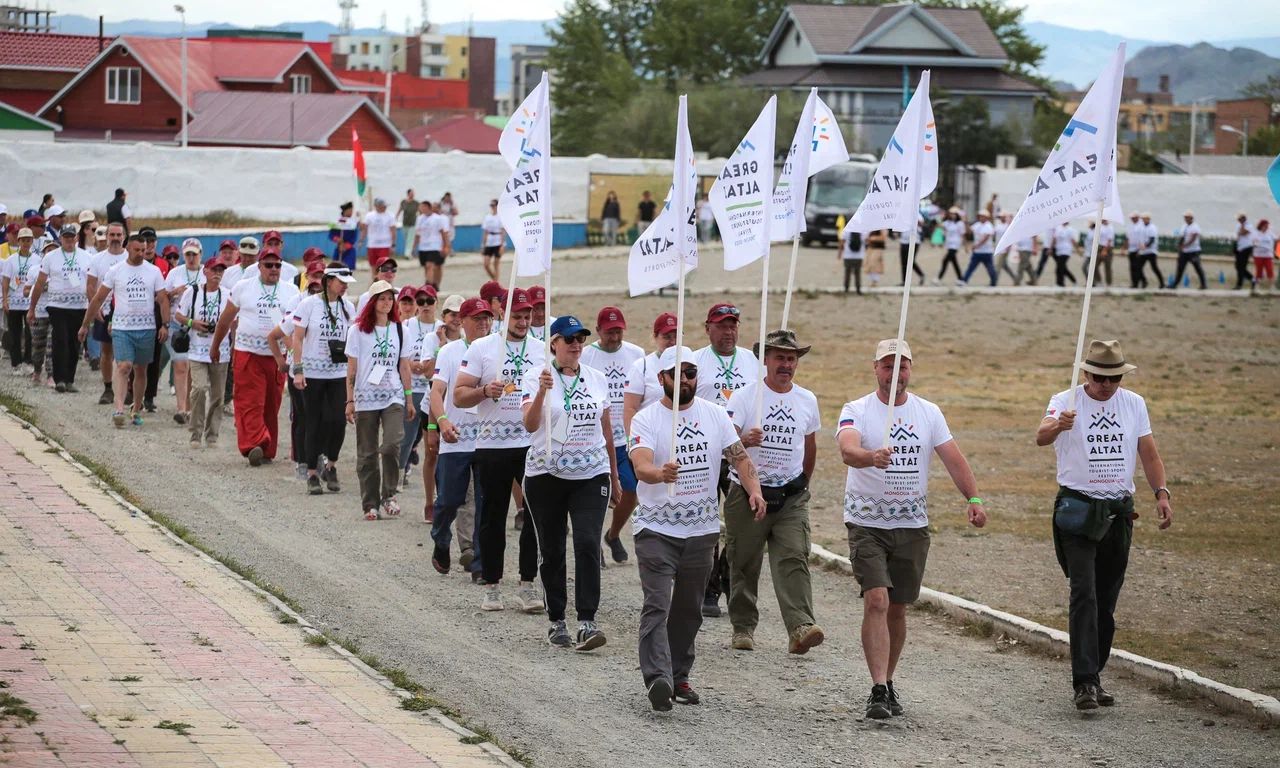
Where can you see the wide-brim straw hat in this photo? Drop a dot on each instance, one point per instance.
(1105, 358)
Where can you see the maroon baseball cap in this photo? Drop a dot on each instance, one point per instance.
(492, 290)
(610, 318)
(537, 295)
(35, 221)
(427, 290)
(270, 253)
(385, 260)
(475, 306)
(12, 228)
(228, 244)
(407, 292)
(665, 323)
(721, 311)
(520, 300)
(170, 250)
(313, 254)
(273, 234)
(315, 268)
(214, 261)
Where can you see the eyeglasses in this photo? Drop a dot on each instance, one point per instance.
(426, 302)
(687, 372)
(268, 265)
(1107, 379)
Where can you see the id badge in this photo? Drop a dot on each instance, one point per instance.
(375, 375)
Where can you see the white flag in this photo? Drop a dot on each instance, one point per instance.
(1081, 169)
(818, 145)
(743, 193)
(672, 238)
(907, 172)
(517, 134)
(525, 203)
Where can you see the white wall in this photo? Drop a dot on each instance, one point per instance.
(285, 185)
(1215, 199)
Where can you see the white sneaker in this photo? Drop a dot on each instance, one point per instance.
(530, 599)
(492, 598)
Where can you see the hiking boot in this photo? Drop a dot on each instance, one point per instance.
(180, 417)
(118, 419)
(492, 598)
(149, 405)
(1105, 699)
(59, 387)
(742, 641)
(1086, 696)
(804, 637)
(589, 636)
(895, 704)
(878, 703)
(330, 477)
(616, 550)
(660, 695)
(313, 485)
(440, 559)
(255, 456)
(530, 600)
(558, 635)
(137, 420)
(465, 559)
(711, 607)
(684, 694)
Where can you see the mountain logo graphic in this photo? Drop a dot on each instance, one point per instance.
(580, 394)
(902, 431)
(1104, 420)
(689, 429)
(615, 372)
(781, 413)
(520, 360)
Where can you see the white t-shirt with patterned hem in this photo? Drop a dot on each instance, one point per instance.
(788, 418)
(448, 362)
(702, 435)
(719, 378)
(65, 275)
(135, 290)
(423, 345)
(1098, 456)
(896, 497)
(379, 350)
(642, 379)
(500, 423)
(101, 263)
(615, 367)
(578, 448)
(323, 322)
(261, 308)
(21, 271)
(208, 307)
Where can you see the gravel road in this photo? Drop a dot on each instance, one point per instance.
(970, 700)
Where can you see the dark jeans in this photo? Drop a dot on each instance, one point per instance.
(325, 428)
(853, 268)
(1062, 270)
(455, 473)
(497, 469)
(1194, 260)
(950, 260)
(1136, 280)
(553, 504)
(981, 259)
(19, 338)
(903, 249)
(297, 422)
(1095, 571)
(63, 327)
(672, 574)
(1243, 275)
(1044, 259)
(1145, 259)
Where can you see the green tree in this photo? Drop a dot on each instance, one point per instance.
(1268, 90)
(1265, 141)
(593, 74)
(966, 135)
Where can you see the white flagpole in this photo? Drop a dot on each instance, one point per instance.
(902, 331)
(679, 374)
(511, 289)
(764, 295)
(679, 202)
(791, 280)
(1084, 314)
(546, 353)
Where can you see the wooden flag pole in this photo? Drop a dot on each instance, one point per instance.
(1084, 314)
(902, 330)
(791, 281)
(764, 327)
(546, 353)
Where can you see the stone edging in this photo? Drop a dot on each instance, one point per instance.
(444, 720)
(1240, 700)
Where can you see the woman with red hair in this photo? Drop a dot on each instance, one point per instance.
(379, 399)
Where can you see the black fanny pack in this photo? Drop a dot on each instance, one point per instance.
(337, 351)
(1076, 513)
(776, 495)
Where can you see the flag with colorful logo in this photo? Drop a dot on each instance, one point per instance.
(1080, 172)
(672, 238)
(907, 172)
(525, 203)
(817, 145)
(357, 162)
(743, 193)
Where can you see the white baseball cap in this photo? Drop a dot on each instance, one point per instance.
(54, 210)
(887, 347)
(192, 245)
(667, 362)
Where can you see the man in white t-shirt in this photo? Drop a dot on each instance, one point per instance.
(431, 241)
(1149, 251)
(1243, 251)
(102, 262)
(288, 272)
(642, 387)
(677, 521)
(613, 356)
(248, 258)
(1189, 250)
(488, 380)
(781, 440)
(495, 239)
(984, 246)
(886, 508)
(1065, 242)
(1094, 510)
(378, 229)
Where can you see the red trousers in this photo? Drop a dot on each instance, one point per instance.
(259, 387)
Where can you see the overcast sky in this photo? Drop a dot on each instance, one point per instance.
(1182, 21)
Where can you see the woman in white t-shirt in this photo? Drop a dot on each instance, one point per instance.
(198, 309)
(1264, 254)
(379, 399)
(180, 279)
(420, 334)
(570, 475)
(495, 237)
(17, 273)
(953, 230)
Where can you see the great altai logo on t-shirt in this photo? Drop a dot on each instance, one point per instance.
(1104, 443)
(904, 468)
(779, 426)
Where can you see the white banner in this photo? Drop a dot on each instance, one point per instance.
(1081, 169)
(525, 203)
(907, 172)
(817, 145)
(672, 238)
(517, 133)
(743, 193)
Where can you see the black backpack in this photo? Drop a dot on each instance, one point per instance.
(855, 241)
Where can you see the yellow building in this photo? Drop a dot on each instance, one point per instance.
(455, 49)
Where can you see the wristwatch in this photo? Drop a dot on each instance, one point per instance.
(1167, 495)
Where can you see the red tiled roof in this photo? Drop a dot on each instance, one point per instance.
(462, 133)
(65, 53)
(260, 118)
(410, 91)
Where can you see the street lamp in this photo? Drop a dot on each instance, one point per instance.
(1244, 136)
(183, 13)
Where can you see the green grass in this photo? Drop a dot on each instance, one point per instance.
(127, 679)
(183, 729)
(13, 707)
(316, 640)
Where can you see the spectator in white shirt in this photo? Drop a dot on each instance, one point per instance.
(1244, 251)
(379, 232)
(1189, 250)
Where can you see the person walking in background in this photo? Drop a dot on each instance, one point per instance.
(1065, 242)
(1003, 258)
(1264, 255)
(378, 229)
(431, 239)
(495, 239)
(852, 253)
(1133, 238)
(1149, 250)
(408, 219)
(1244, 251)
(118, 210)
(17, 273)
(1106, 246)
(447, 208)
(419, 324)
(645, 212)
(198, 308)
(345, 234)
(611, 218)
(1189, 251)
(189, 275)
(706, 219)
(875, 257)
(984, 246)
(953, 230)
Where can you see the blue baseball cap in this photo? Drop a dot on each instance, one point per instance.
(568, 326)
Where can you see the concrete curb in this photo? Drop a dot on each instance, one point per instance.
(937, 290)
(450, 724)
(1257, 706)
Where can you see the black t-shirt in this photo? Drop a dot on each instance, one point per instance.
(647, 207)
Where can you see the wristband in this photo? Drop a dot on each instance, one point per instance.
(408, 392)
(442, 417)
(1168, 496)
(976, 500)
(296, 369)
(432, 427)
(189, 322)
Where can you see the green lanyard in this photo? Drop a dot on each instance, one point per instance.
(382, 345)
(272, 296)
(192, 281)
(726, 371)
(22, 266)
(68, 262)
(520, 361)
(569, 389)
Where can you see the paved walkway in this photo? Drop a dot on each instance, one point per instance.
(134, 650)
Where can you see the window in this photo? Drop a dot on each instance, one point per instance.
(377, 48)
(124, 85)
(464, 74)
(351, 48)
(300, 83)
(464, 50)
(364, 48)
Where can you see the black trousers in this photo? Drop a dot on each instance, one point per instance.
(64, 324)
(1151, 259)
(297, 422)
(553, 504)
(1194, 260)
(497, 469)
(153, 371)
(19, 338)
(903, 249)
(1095, 571)
(1045, 253)
(853, 268)
(325, 425)
(1062, 270)
(1136, 280)
(950, 259)
(1243, 275)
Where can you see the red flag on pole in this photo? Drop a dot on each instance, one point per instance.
(358, 161)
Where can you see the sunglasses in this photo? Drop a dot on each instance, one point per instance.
(1107, 379)
(426, 302)
(728, 312)
(387, 268)
(687, 372)
(268, 265)
(579, 339)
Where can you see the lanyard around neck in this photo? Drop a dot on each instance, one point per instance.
(726, 371)
(569, 389)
